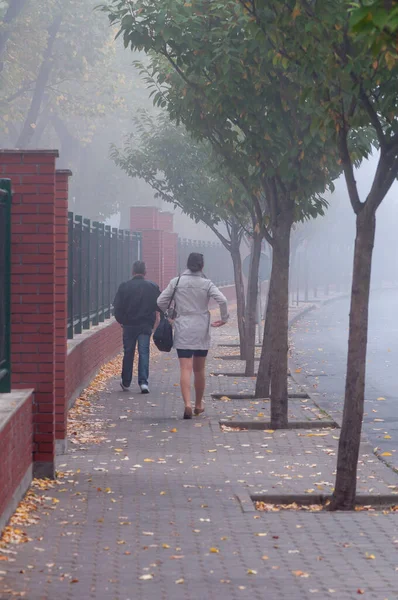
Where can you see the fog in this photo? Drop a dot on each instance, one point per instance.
(322, 249)
(76, 89)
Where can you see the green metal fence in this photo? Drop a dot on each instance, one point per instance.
(5, 285)
(100, 257)
(217, 259)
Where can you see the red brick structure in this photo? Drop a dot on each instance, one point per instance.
(159, 242)
(33, 290)
(61, 310)
(87, 352)
(47, 372)
(15, 450)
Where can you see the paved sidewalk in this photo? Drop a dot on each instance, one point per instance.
(155, 509)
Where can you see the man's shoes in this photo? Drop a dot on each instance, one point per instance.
(125, 388)
(144, 388)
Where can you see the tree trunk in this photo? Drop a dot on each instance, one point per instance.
(25, 137)
(350, 436)
(13, 11)
(263, 382)
(240, 293)
(280, 321)
(251, 304)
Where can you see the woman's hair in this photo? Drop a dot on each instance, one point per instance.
(195, 262)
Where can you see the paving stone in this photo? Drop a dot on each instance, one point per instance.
(162, 518)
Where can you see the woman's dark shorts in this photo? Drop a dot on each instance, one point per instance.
(191, 353)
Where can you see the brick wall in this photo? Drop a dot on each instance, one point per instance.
(33, 290)
(152, 254)
(144, 217)
(61, 294)
(159, 243)
(87, 352)
(15, 450)
(166, 221)
(170, 263)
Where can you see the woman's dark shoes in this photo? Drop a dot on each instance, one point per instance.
(199, 411)
(188, 412)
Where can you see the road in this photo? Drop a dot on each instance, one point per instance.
(319, 345)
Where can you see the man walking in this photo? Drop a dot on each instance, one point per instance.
(135, 309)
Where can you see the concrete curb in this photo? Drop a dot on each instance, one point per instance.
(377, 500)
(261, 425)
(217, 396)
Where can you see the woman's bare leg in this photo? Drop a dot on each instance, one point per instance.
(199, 363)
(185, 380)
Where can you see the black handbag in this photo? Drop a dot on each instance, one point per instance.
(163, 335)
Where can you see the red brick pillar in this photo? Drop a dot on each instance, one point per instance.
(61, 310)
(152, 254)
(166, 221)
(33, 291)
(144, 217)
(170, 262)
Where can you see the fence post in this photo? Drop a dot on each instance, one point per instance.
(87, 299)
(70, 275)
(5, 358)
(101, 269)
(95, 233)
(78, 225)
(108, 233)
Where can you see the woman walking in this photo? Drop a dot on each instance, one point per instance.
(193, 292)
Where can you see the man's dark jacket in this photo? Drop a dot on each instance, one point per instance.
(135, 303)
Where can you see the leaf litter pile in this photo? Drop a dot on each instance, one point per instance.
(25, 515)
(83, 428)
(262, 506)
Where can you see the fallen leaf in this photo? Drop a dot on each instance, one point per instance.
(214, 551)
(251, 572)
(148, 460)
(386, 454)
(300, 574)
(179, 581)
(146, 577)
(370, 556)
(174, 430)
(359, 591)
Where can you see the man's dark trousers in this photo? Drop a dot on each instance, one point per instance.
(132, 335)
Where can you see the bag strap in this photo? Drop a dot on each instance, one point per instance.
(174, 292)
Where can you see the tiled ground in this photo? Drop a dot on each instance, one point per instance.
(153, 510)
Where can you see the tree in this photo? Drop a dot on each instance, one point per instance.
(76, 98)
(376, 23)
(354, 98)
(187, 174)
(223, 86)
(11, 14)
